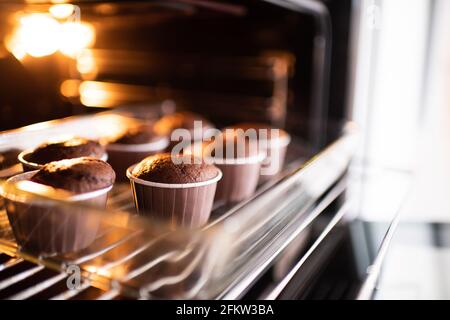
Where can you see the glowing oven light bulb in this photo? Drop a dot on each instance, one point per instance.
(38, 35)
(74, 37)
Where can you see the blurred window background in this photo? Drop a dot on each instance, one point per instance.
(402, 102)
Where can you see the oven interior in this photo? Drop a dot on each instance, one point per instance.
(236, 61)
(284, 63)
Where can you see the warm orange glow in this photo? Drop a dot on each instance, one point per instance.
(86, 64)
(15, 47)
(75, 36)
(94, 94)
(91, 269)
(62, 11)
(106, 8)
(116, 272)
(39, 34)
(70, 88)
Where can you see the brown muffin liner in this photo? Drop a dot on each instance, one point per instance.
(121, 156)
(187, 205)
(240, 175)
(30, 166)
(239, 181)
(275, 156)
(50, 229)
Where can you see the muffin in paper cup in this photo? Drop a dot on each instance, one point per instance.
(240, 170)
(273, 142)
(48, 229)
(131, 146)
(240, 178)
(36, 158)
(195, 125)
(187, 203)
(46, 225)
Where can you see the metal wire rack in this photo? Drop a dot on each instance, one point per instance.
(136, 258)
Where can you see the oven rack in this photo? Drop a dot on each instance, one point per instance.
(137, 259)
(54, 287)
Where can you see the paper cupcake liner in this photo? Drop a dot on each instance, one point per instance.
(275, 157)
(122, 156)
(48, 229)
(239, 181)
(187, 205)
(30, 166)
(240, 175)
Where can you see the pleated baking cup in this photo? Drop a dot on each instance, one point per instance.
(275, 156)
(240, 178)
(240, 175)
(30, 166)
(181, 204)
(46, 228)
(121, 156)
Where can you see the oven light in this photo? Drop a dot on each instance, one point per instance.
(62, 11)
(75, 36)
(39, 34)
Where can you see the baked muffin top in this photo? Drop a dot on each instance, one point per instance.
(8, 158)
(180, 120)
(78, 175)
(136, 134)
(68, 149)
(161, 168)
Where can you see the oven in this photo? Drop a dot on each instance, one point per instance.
(76, 68)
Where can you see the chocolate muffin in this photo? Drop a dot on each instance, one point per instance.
(180, 192)
(132, 145)
(48, 227)
(180, 120)
(273, 142)
(183, 120)
(135, 134)
(239, 159)
(77, 175)
(8, 158)
(160, 168)
(67, 149)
